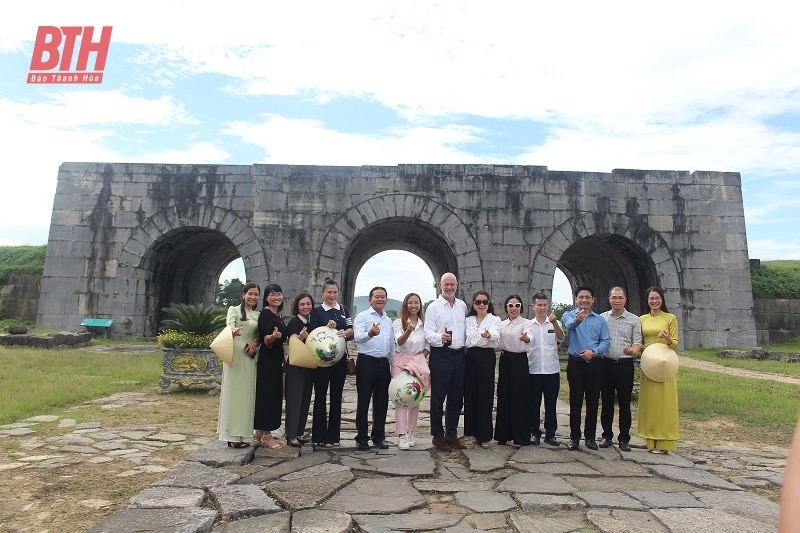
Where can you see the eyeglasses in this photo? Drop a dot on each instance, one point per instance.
(480, 302)
(513, 305)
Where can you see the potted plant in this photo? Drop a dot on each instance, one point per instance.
(185, 338)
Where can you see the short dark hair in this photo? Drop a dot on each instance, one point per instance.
(296, 302)
(584, 288)
(378, 289)
(540, 296)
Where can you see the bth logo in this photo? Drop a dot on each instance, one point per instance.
(53, 51)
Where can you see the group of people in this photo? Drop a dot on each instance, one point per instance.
(452, 351)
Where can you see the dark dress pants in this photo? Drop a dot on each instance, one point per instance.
(617, 385)
(546, 385)
(479, 392)
(299, 383)
(326, 424)
(372, 383)
(584, 380)
(513, 399)
(447, 383)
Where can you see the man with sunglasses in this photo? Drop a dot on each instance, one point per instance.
(544, 369)
(588, 341)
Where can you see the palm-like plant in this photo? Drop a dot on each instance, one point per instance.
(197, 319)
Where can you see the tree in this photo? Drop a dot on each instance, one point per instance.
(229, 293)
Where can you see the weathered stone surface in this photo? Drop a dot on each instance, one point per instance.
(574, 468)
(368, 496)
(187, 520)
(318, 521)
(693, 476)
(621, 484)
(740, 503)
(217, 453)
(623, 521)
(42, 418)
(414, 463)
(164, 497)
(613, 500)
(548, 502)
(481, 460)
(617, 468)
(309, 491)
(280, 522)
(485, 501)
(277, 468)
(196, 476)
(662, 500)
(541, 454)
(452, 485)
(558, 522)
(407, 522)
(644, 457)
(711, 520)
(235, 501)
(536, 483)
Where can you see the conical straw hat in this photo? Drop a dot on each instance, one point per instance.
(300, 355)
(223, 345)
(659, 362)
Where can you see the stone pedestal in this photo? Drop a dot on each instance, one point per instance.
(190, 369)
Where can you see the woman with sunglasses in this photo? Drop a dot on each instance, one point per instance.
(513, 385)
(483, 338)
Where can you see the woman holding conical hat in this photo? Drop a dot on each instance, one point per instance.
(237, 397)
(299, 380)
(658, 398)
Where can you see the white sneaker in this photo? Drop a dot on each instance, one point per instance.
(402, 442)
(411, 439)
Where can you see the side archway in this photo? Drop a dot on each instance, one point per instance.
(416, 224)
(178, 257)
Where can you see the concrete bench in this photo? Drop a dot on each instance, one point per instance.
(104, 323)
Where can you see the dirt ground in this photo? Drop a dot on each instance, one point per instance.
(76, 496)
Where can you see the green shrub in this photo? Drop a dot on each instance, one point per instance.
(180, 339)
(776, 279)
(28, 259)
(197, 319)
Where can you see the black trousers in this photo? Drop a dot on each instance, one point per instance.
(513, 399)
(447, 382)
(326, 429)
(584, 380)
(617, 385)
(479, 393)
(299, 384)
(546, 385)
(372, 383)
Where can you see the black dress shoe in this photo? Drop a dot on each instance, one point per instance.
(625, 446)
(591, 444)
(572, 444)
(363, 447)
(382, 444)
(535, 440)
(552, 441)
(605, 443)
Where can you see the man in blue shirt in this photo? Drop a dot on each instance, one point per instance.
(588, 341)
(374, 335)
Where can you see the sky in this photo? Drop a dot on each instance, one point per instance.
(574, 86)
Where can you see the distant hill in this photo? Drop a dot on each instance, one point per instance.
(361, 303)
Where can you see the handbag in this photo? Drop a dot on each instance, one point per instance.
(222, 345)
(351, 366)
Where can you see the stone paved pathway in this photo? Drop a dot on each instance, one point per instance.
(502, 489)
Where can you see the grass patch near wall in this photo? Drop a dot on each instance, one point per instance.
(35, 382)
(768, 366)
(762, 406)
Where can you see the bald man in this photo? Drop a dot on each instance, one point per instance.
(445, 331)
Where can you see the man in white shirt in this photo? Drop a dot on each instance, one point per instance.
(375, 338)
(445, 331)
(544, 369)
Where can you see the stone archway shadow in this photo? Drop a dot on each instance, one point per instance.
(413, 223)
(177, 256)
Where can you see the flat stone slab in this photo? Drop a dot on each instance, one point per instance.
(623, 484)
(558, 522)
(17, 432)
(611, 500)
(281, 467)
(616, 468)
(318, 521)
(167, 437)
(308, 491)
(741, 503)
(42, 418)
(315, 471)
(575, 468)
(412, 463)
(236, 501)
(165, 497)
(536, 483)
(646, 458)
(188, 520)
(623, 521)
(377, 496)
(494, 458)
(407, 522)
(280, 522)
(217, 453)
(693, 476)
(693, 520)
(654, 499)
(548, 502)
(196, 476)
(542, 454)
(485, 501)
(452, 485)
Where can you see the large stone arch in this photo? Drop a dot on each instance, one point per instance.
(414, 223)
(634, 257)
(178, 255)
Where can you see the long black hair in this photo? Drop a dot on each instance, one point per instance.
(269, 289)
(246, 287)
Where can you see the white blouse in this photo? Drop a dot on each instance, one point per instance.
(474, 338)
(415, 342)
(510, 330)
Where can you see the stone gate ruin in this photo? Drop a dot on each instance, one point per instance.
(129, 239)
